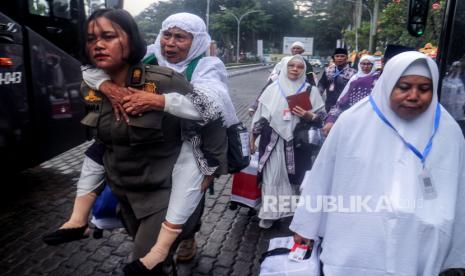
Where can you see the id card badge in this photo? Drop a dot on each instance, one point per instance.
(298, 252)
(427, 187)
(286, 114)
(331, 87)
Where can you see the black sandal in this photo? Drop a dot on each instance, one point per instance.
(65, 235)
(136, 267)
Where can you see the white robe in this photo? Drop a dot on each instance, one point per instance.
(363, 157)
(271, 105)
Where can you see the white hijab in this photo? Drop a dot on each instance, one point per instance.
(272, 102)
(360, 73)
(210, 76)
(190, 23)
(416, 131)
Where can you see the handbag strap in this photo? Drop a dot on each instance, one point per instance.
(274, 252)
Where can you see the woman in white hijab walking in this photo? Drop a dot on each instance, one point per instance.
(358, 87)
(366, 67)
(398, 157)
(274, 123)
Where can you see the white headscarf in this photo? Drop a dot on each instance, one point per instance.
(359, 73)
(210, 76)
(418, 130)
(298, 44)
(272, 102)
(190, 23)
(362, 156)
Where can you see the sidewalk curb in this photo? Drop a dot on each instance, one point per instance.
(245, 71)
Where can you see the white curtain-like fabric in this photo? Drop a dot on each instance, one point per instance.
(396, 231)
(272, 102)
(359, 74)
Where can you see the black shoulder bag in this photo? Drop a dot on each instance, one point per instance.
(238, 147)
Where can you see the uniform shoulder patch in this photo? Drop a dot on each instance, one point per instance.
(91, 96)
(150, 87)
(136, 77)
(155, 69)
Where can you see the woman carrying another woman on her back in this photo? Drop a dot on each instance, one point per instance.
(199, 158)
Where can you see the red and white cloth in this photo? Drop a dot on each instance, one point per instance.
(245, 188)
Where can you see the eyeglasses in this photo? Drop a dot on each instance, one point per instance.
(366, 64)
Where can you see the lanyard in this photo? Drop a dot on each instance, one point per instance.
(337, 73)
(421, 156)
(296, 92)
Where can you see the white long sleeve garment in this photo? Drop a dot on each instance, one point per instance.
(397, 231)
(175, 103)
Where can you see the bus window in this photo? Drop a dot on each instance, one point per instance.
(62, 9)
(453, 84)
(115, 4)
(39, 7)
(92, 5)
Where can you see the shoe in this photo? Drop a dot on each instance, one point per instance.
(252, 212)
(65, 235)
(136, 268)
(186, 250)
(265, 223)
(97, 233)
(232, 205)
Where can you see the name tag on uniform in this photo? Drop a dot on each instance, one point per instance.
(427, 187)
(286, 114)
(298, 252)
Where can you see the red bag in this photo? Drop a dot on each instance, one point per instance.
(245, 188)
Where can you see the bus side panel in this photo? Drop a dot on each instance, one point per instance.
(453, 61)
(15, 124)
(57, 105)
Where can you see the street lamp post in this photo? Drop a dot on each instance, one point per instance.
(372, 27)
(370, 42)
(238, 20)
(207, 15)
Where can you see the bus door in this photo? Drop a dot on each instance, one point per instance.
(59, 21)
(55, 78)
(55, 75)
(50, 79)
(452, 61)
(15, 126)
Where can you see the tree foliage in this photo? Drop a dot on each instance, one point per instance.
(392, 27)
(325, 20)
